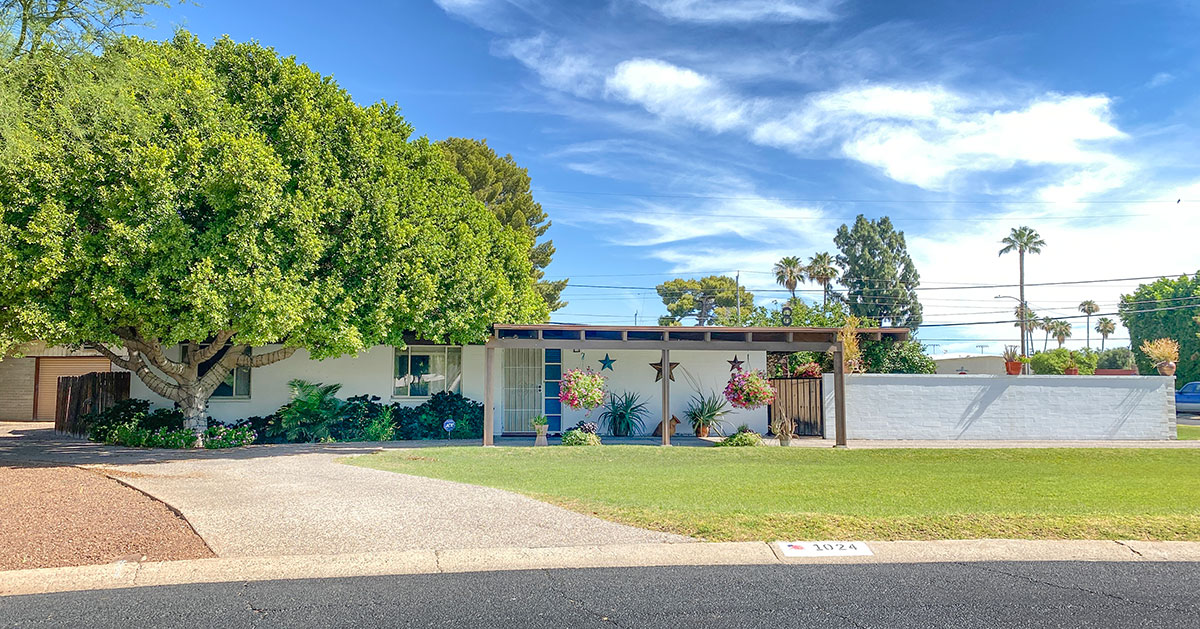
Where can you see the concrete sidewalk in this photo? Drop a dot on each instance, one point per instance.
(133, 574)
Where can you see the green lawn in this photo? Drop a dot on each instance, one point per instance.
(801, 493)
(1189, 433)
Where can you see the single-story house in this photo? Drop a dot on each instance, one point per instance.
(964, 363)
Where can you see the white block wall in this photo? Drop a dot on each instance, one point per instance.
(897, 406)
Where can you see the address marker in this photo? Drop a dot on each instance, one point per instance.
(824, 549)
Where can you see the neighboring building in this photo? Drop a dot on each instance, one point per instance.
(29, 379)
(965, 363)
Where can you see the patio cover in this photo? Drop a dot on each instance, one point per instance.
(665, 339)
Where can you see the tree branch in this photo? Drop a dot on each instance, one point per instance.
(152, 351)
(262, 360)
(217, 373)
(200, 355)
(135, 364)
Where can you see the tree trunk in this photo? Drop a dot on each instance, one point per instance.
(1021, 262)
(194, 406)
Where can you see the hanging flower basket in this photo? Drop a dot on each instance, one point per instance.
(581, 389)
(749, 389)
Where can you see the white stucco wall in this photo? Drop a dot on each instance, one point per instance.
(896, 406)
(706, 370)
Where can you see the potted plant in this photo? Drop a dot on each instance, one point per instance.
(1012, 361)
(1072, 366)
(783, 427)
(540, 424)
(806, 370)
(704, 412)
(749, 389)
(623, 415)
(581, 389)
(1164, 353)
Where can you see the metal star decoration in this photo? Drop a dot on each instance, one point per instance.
(607, 363)
(658, 371)
(735, 364)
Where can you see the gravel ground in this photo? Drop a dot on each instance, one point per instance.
(65, 516)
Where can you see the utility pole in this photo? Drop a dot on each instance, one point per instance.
(738, 288)
(981, 347)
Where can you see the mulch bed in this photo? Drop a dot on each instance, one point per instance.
(66, 516)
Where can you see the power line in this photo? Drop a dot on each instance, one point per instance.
(896, 201)
(1080, 316)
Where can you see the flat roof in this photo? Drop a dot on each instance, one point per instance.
(580, 336)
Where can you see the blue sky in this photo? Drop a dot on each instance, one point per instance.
(686, 137)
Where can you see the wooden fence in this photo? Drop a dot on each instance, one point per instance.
(80, 395)
(800, 399)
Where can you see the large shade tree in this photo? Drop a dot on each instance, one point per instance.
(65, 26)
(712, 299)
(1165, 308)
(176, 206)
(880, 278)
(503, 187)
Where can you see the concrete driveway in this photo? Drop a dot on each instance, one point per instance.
(297, 500)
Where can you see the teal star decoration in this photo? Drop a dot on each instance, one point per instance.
(607, 363)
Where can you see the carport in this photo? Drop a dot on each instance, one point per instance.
(665, 339)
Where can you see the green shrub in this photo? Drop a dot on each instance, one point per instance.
(740, 438)
(132, 435)
(1055, 361)
(425, 421)
(1116, 358)
(891, 356)
(219, 436)
(129, 415)
(575, 437)
(365, 419)
(312, 414)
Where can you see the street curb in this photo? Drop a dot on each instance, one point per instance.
(123, 574)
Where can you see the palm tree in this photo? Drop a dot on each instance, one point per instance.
(1046, 325)
(1022, 240)
(821, 270)
(1105, 326)
(1062, 332)
(1028, 322)
(789, 272)
(1089, 308)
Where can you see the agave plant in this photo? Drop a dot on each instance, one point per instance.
(705, 410)
(624, 414)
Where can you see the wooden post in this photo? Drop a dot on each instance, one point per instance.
(489, 381)
(839, 394)
(666, 397)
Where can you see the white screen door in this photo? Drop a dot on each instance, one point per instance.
(522, 388)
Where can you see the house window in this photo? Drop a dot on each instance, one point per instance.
(421, 371)
(237, 383)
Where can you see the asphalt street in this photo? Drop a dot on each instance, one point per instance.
(1026, 594)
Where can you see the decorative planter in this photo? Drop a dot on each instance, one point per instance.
(1071, 371)
(1013, 368)
(785, 440)
(702, 431)
(541, 436)
(1166, 369)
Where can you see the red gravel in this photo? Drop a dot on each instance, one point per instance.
(67, 516)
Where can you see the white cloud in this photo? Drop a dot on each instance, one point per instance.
(1160, 79)
(556, 66)
(711, 11)
(669, 91)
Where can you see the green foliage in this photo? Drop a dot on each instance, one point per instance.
(311, 414)
(1142, 314)
(425, 421)
(129, 415)
(219, 437)
(741, 438)
(503, 187)
(1116, 358)
(60, 27)
(540, 420)
(1055, 361)
(706, 410)
(789, 273)
(821, 270)
(892, 356)
(135, 436)
(880, 278)
(623, 415)
(830, 314)
(575, 437)
(363, 418)
(170, 191)
(709, 300)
